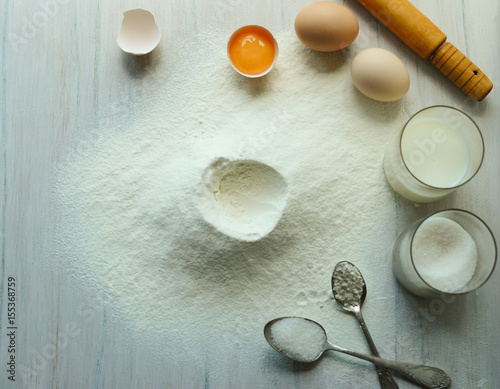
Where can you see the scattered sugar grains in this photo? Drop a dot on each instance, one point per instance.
(348, 284)
(129, 222)
(299, 338)
(444, 254)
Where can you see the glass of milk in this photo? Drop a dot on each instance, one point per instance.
(451, 252)
(438, 150)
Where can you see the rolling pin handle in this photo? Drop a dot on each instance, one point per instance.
(462, 72)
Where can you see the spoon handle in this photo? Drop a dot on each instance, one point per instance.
(425, 376)
(385, 378)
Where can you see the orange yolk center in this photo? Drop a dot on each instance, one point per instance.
(252, 50)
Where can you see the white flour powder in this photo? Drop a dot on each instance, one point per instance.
(348, 284)
(130, 226)
(243, 199)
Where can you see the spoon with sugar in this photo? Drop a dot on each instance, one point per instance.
(349, 290)
(304, 340)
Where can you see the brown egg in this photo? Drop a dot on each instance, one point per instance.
(326, 26)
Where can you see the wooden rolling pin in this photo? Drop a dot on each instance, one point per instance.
(429, 42)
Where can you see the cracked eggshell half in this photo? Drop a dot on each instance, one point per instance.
(139, 34)
(380, 75)
(243, 199)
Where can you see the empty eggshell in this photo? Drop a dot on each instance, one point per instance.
(326, 26)
(139, 34)
(380, 75)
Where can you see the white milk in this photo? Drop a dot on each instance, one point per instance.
(435, 153)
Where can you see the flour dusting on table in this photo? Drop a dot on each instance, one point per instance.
(130, 226)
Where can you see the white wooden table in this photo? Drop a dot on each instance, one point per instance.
(54, 80)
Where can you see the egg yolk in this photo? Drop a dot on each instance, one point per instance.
(252, 50)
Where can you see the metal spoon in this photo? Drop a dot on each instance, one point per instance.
(355, 296)
(426, 376)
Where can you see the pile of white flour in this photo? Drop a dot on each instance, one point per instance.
(130, 226)
(243, 199)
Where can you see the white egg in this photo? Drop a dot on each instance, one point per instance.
(380, 75)
(139, 34)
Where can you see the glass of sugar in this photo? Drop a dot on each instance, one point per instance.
(451, 252)
(438, 150)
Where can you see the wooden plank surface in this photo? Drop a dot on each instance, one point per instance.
(55, 81)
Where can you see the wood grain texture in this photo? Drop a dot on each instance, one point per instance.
(409, 24)
(462, 72)
(57, 78)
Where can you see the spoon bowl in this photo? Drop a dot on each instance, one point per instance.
(344, 303)
(294, 355)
